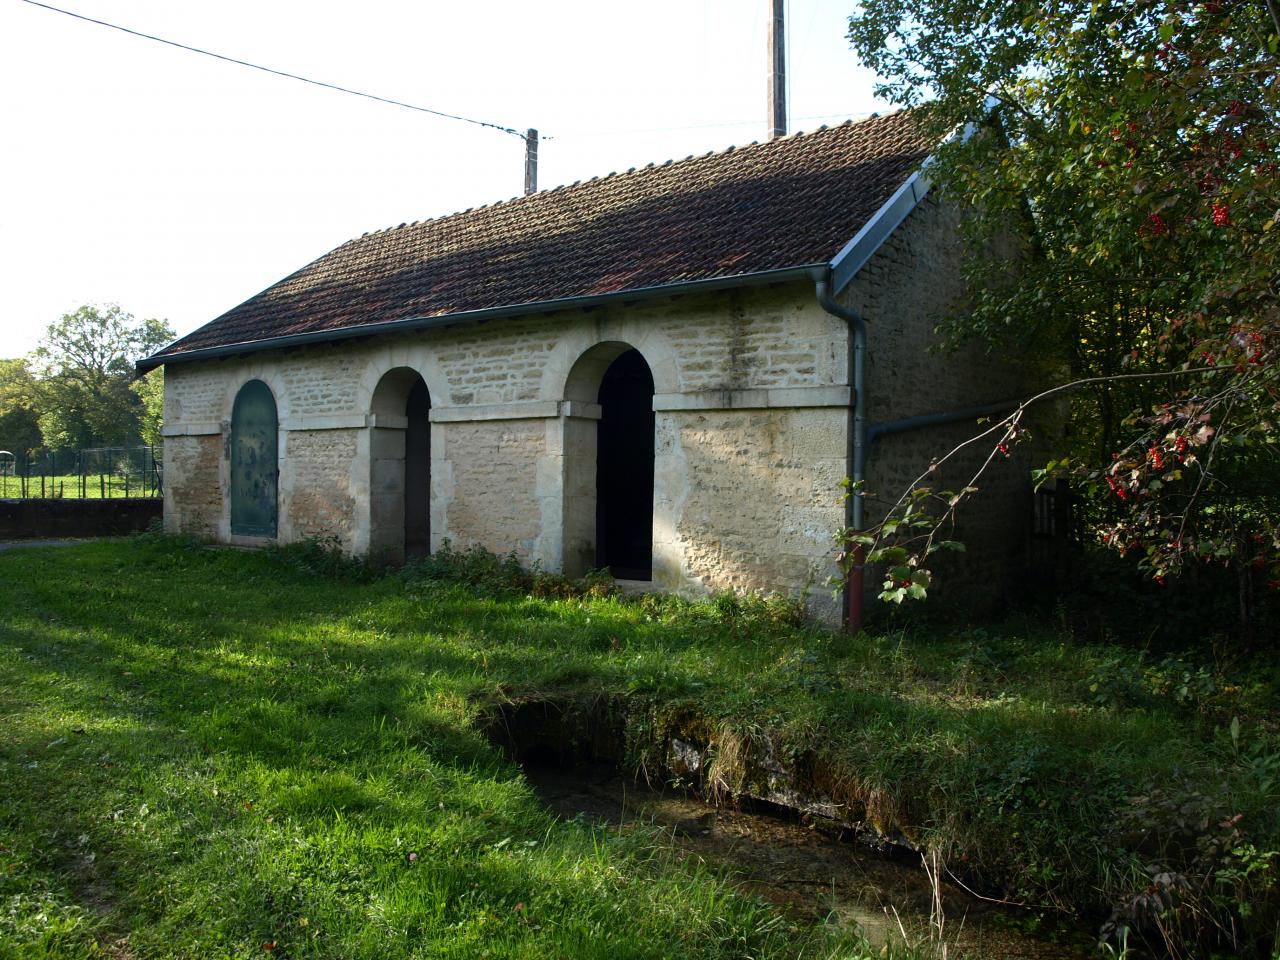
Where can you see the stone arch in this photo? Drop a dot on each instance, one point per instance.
(417, 358)
(609, 449)
(269, 375)
(400, 466)
(577, 356)
(254, 483)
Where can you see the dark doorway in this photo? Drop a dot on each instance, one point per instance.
(624, 469)
(417, 473)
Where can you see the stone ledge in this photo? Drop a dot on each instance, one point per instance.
(519, 410)
(298, 424)
(190, 429)
(770, 398)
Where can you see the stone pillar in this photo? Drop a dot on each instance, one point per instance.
(670, 489)
(386, 487)
(577, 426)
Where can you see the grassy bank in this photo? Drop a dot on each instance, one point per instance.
(252, 755)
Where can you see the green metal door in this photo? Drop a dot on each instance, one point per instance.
(253, 461)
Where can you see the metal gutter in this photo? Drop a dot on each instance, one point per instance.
(878, 430)
(862, 435)
(859, 444)
(846, 264)
(409, 324)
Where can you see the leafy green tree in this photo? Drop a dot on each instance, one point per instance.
(19, 429)
(150, 391)
(1134, 145)
(84, 368)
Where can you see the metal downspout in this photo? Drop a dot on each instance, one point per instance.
(859, 445)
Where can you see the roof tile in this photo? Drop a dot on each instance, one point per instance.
(783, 203)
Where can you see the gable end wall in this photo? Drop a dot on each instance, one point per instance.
(751, 436)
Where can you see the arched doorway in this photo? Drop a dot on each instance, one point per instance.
(255, 465)
(417, 472)
(400, 477)
(624, 469)
(608, 505)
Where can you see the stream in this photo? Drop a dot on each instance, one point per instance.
(810, 875)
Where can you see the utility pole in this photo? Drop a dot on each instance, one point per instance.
(777, 72)
(530, 161)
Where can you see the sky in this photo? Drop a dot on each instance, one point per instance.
(178, 186)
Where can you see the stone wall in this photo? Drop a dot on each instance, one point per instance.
(193, 484)
(756, 500)
(913, 281)
(751, 439)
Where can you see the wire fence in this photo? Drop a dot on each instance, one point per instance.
(91, 473)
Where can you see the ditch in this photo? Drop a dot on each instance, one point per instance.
(786, 848)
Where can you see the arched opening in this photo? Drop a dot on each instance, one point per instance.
(400, 455)
(609, 458)
(254, 461)
(417, 472)
(624, 469)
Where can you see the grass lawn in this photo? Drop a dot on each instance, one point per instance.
(230, 754)
(96, 487)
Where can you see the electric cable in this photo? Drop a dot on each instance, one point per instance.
(278, 73)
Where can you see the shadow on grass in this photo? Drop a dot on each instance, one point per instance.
(337, 703)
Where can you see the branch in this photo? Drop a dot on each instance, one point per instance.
(1275, 15)
(1014, 417)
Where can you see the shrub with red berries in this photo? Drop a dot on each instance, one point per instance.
(1135, 148)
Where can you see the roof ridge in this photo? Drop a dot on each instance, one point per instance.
(652, 165)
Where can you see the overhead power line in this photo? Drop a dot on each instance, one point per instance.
(279, 73)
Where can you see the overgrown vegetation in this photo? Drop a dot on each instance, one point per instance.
(1133, 147)
(233, 753)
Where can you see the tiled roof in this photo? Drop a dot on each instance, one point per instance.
(788, 202)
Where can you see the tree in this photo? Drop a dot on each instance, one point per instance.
(84, 367)
(1134, 144)
(150, 391)
(19, 429)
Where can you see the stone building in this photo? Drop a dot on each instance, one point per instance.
(651, 371)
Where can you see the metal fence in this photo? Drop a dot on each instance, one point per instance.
(97, 472)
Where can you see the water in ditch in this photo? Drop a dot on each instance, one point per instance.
(811, 876)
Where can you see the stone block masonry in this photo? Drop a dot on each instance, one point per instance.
(915, 280)
(751, 424)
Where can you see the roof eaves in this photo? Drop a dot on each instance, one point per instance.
(810, 271)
